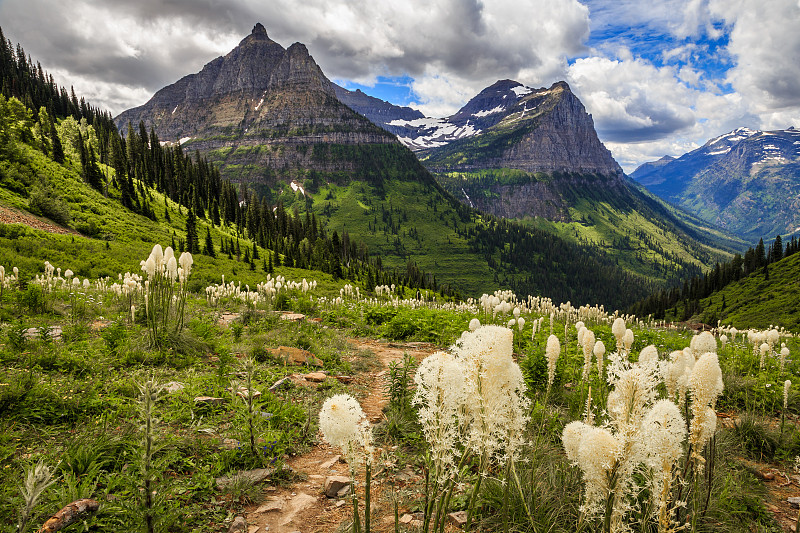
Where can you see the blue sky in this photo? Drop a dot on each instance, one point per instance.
(658, 77)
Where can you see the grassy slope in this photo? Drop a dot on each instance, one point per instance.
(438, 248)
(755, 301)
(127, 237)
(636, 231)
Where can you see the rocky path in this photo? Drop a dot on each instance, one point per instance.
(303, 506)
(10, 215)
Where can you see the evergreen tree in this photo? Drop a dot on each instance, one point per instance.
(255, 251)
(192, 243)
(58, 150)
(209, 244)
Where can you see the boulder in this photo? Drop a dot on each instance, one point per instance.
(335, 484)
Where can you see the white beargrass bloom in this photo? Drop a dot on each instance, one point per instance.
(627, 340)
(343, 424)
(149, 267)
(571, 439)
(597, 456)
(705, 384)
(587, 344)
(723, 339)
(764, 349)
(599, 351)
(516, 312)
(172, 268)
(703, 343)
(439, 397)
(618, 328)
(786, 386)
(511, 323)
(495, 412)
(648, 356)
(784, 354)
(474, 324)
(663, 431)
(68, 273)
(186, 263)
(520, 323)
(552, 352)
(86, 283)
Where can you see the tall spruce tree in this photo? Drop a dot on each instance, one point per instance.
(209, 244)
(192, 243)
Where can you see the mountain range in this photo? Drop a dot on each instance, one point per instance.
(745, 181)
(271, 121)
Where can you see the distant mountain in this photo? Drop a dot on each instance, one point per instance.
(257, 112)
(378, 111)
(746, 181)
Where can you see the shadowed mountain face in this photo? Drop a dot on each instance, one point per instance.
(745, 181)
(257, 112)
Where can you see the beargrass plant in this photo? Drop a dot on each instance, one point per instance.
(344, 424)
(164, 303)
(38, 479)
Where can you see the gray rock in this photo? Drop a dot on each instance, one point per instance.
(794, 501)
(334, 484)
(209, 400)
(239, 525)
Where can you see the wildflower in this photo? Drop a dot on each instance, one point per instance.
(587, 344)
(627, 340)
(552, 352)
(663, 431)
(706, 385)
(571, 438)
(474, 324)
(597, 455)
(496, 405)
(784, 354)
(439, 396)
(599, 351)
(703, 343)
(723, 339)
(648, 355)
(343, 424)
(520, 323)
(764, 349)
(786, 386)
(619, 329)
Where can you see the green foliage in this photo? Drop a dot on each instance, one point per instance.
(44, 201)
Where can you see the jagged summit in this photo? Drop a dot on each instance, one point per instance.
(259, 94)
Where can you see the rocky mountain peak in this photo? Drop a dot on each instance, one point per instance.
(258, 29)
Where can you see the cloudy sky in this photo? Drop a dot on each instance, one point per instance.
(658, 77)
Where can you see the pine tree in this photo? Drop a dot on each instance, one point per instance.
(255, 251)
(270, 267)
(192, 243)
(58, 150)
(209, 244)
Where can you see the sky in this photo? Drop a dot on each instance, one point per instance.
(659, 77)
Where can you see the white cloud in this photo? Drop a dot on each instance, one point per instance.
(766, 45)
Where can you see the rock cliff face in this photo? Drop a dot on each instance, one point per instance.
(257, 112)
(545, 130)
(378, 111)
(746, 181)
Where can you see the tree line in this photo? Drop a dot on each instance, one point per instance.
(755, 259)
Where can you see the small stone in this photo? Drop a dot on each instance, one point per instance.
(339, 503)
(458, 518)
(173, 387)
(325, 465)
(344, 491)
(209, 400)
(315, 377)
(273, 505)
(297, 317)
(406, 518)
(280, 383)
(794, 501)
(239, 525)
(253, 529)
(334, 484)
(344, 379)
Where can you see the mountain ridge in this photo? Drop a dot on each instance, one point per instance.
(745, 181)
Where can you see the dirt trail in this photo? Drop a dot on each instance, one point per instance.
(303, 507)
(10, 215)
